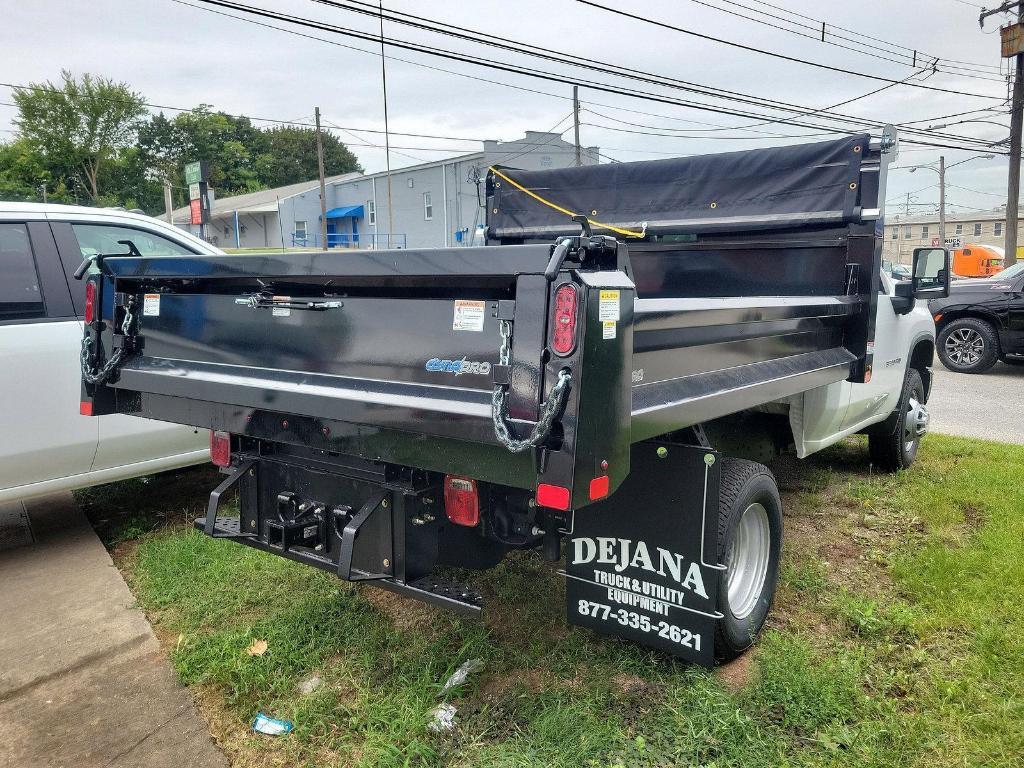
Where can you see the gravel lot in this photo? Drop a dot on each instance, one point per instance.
(985, 406)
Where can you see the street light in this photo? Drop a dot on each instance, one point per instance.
(941, 170)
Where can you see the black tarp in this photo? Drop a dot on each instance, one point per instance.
(778, 187)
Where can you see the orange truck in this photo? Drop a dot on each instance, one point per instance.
(976, 261)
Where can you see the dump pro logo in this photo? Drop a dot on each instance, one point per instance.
(458, 367)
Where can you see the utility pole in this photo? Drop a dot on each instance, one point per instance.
(576, 122)
(1012, 44)
(942, 201)
(323, 187)
(1013, 186)
(387, 134)
(168, 204)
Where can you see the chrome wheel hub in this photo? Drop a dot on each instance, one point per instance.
(964, 346)
(915, 425)
(747, 563)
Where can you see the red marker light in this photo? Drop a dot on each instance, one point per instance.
(220, 448)
(563, 332)
(461, 500)
(85, 408)
(599, 487)
(90, 301)
(553, 497)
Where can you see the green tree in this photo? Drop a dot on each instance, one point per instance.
(79, 126)
(23, 173)
(289, 156)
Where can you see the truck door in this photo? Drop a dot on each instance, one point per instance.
(892, 346)
(45, 438)
(124, 439)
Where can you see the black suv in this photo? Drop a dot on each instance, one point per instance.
(981, 321)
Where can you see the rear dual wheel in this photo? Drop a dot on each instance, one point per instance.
(750, 546)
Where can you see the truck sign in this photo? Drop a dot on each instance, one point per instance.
(648, 577)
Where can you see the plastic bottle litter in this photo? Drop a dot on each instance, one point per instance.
(460, 675)
(271, 726)
(442, 718)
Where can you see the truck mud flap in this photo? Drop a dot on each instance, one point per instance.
(642, 564)
(358, 526)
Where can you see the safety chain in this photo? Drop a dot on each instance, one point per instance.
(103, 374)
(499, 404)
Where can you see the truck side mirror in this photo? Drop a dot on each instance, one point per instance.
(930, 274)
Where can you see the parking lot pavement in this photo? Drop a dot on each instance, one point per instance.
(83, 681)
(986, 405)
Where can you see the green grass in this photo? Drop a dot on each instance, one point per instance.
(895, 641)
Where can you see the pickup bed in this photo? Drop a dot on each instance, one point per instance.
(383, 414)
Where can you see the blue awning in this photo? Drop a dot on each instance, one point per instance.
(348, 211)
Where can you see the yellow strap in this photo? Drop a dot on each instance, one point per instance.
(560, 209)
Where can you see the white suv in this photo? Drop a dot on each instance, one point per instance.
(45, 445)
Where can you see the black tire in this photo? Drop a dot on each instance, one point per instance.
(744, 484)
(968, 345)
(889, 443)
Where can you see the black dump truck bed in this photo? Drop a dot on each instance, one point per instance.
(696, 288)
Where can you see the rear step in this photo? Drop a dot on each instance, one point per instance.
(429, 589)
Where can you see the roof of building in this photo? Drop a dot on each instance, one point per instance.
(995, 214)
(265, 201)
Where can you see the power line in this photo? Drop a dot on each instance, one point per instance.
(276, 121)
(777, 55)
(818, 33)
(480, 37)
(494, 65)
(866, 36)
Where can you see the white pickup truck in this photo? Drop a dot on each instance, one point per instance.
(47, 445)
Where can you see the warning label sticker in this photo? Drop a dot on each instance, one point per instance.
(608, 329)
(608, 308)
(469, 315)
(277, 311)
(151, 304)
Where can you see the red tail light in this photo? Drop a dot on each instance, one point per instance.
(220, 448)
(90, 301)
(461, 500)
(563, 333)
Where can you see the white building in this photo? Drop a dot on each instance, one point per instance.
(433, 204)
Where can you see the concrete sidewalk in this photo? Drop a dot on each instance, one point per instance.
(82, 680)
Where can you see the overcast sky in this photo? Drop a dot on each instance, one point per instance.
(181, 56)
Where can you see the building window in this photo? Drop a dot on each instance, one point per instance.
(428, 207)
(906, 232)
(977, 230)
(924, 231)
(959, 229)
(371, 213)
(300, 230)
(895, 233)
(997, 228)
(412, 182)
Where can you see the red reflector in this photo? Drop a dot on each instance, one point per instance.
(461, 500)
(553, 496)
(90, 301)
(220, 448)
(563, 331)
(85, 408)
(599, 488)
